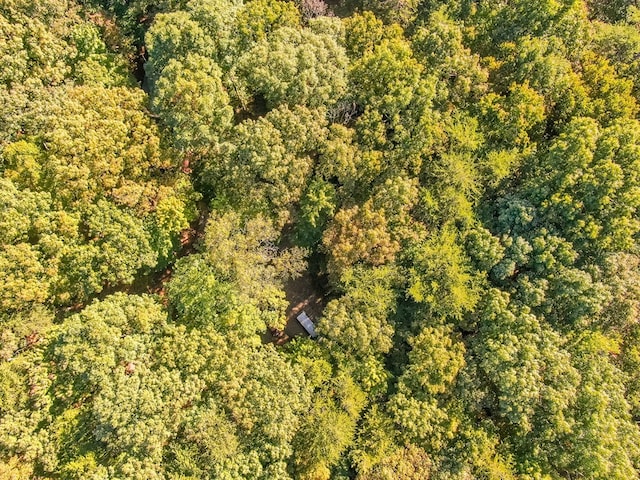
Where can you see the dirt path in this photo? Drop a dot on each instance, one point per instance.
(154, 282)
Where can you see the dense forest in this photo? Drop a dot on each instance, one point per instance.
(456, 183)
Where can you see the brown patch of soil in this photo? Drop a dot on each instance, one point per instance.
(302, 296)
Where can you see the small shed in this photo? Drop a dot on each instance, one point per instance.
(307, 324)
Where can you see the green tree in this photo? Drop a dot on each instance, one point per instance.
(438, 276)
(604, 440)
(513, 120)
(321, 440)
(544, 64)
(295, 66)
(258, 19)
(620, 44)
(267, 162)
(190, 99)
(439, 46)
(407, 463)
(357, 322)
(591, 198)
(420, 407)
(610, 96)
(388, 85)
(200, 299)
(236, 284)
(172, 37)
(364, 31)
(527, 367)
(317, 206)
(328, 427)
(611, 12)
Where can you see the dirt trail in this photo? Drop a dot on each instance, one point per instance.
(154, 282)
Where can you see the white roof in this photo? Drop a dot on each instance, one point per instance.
(306, 322)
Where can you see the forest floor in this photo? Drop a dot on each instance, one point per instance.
(302, 294)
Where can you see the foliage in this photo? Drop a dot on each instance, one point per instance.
(295, 67)
(264, 166)
(191, 100)
(449, 189)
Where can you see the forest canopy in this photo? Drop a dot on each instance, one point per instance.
(450, 189)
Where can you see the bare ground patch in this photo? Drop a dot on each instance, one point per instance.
(302, 295)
